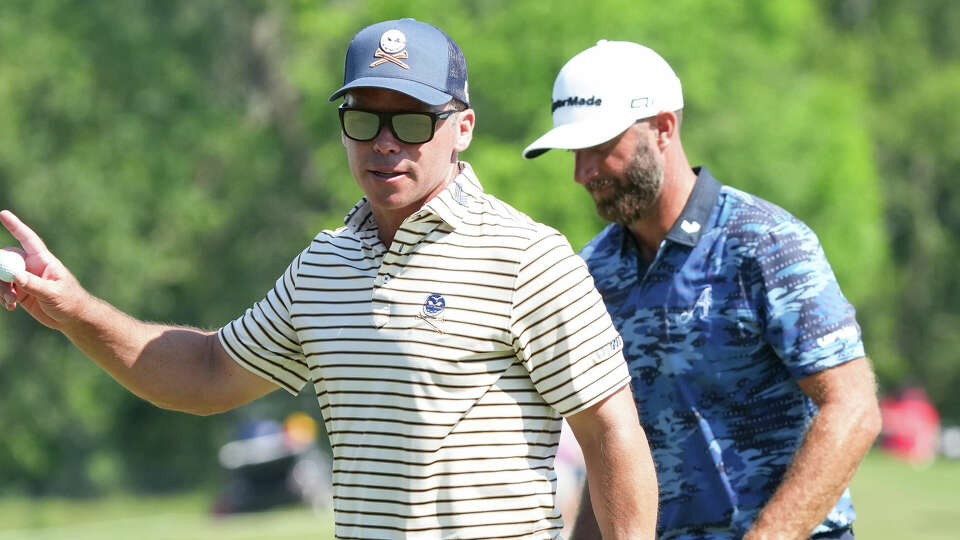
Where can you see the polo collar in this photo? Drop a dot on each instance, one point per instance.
(461, 199)
(360, 219)
(696, 213)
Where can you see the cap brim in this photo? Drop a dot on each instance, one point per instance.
(416, 90)
(579, 135)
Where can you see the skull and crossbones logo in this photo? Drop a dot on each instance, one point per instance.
(393, 44)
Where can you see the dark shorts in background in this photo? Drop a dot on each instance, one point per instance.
(839, 534)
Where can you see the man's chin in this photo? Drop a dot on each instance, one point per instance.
(606, 208)
(612, 217)
(621, 216)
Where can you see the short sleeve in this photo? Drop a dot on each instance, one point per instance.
(561, 329)
(264, 341)
(809, 323)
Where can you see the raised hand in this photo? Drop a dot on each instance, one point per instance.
(46, 290)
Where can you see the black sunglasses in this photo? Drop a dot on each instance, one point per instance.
(408, 127)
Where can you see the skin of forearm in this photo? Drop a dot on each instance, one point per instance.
(606, 508)
(620, 472)
(165, 365)
(836, 442)
(604, 511)
(622, 485)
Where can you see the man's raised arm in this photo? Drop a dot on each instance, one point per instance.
(173, 367)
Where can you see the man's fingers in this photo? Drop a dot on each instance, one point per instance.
(35, 285)
(45, 291)
(8, 297)
(31, 243)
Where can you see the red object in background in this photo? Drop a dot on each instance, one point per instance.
(911, 426)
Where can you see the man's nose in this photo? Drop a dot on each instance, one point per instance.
(385, 142)
(584, 167)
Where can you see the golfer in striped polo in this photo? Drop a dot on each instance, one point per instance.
(444, 332)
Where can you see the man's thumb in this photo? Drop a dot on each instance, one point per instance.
(31, 284)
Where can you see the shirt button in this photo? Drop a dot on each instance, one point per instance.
(386, 278)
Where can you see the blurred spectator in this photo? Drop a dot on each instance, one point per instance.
(272, 464)
(950, 442)
(911, 426)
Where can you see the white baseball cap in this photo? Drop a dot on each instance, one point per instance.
(600, 92)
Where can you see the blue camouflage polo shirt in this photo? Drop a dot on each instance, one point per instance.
(738, 304)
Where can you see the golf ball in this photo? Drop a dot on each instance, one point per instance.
(10, 264)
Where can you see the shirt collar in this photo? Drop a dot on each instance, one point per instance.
(459, 201)
(693, 220)
(454, 205)
(360, 219)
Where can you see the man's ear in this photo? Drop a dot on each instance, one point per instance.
(666, 124)
(465, 122)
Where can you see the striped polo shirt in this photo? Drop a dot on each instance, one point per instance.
(442, 365)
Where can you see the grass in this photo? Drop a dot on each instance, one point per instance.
(183, 517)
(893, 501)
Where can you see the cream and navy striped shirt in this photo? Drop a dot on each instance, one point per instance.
(442, 365)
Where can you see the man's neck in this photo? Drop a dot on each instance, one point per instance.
(650, 231)
(389, 220)
(387, 226)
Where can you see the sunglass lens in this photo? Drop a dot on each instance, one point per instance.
(413, 128)
(360, 125)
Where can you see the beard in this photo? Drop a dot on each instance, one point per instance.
(633, 197)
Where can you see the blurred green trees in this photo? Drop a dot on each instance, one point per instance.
(913, 78)
(177, 155)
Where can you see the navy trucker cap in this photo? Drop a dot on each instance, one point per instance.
(407, 56)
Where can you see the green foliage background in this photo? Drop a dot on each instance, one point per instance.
(176, 155)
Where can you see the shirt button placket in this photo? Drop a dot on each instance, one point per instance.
(380, 306)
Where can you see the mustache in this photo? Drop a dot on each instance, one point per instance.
(599, 183)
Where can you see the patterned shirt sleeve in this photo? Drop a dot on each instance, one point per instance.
(264, 341)
(809, 322)
(561, 329)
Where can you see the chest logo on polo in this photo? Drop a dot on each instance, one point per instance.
(701, 309)
(433, 307)
(432, 311)
(393, 47)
